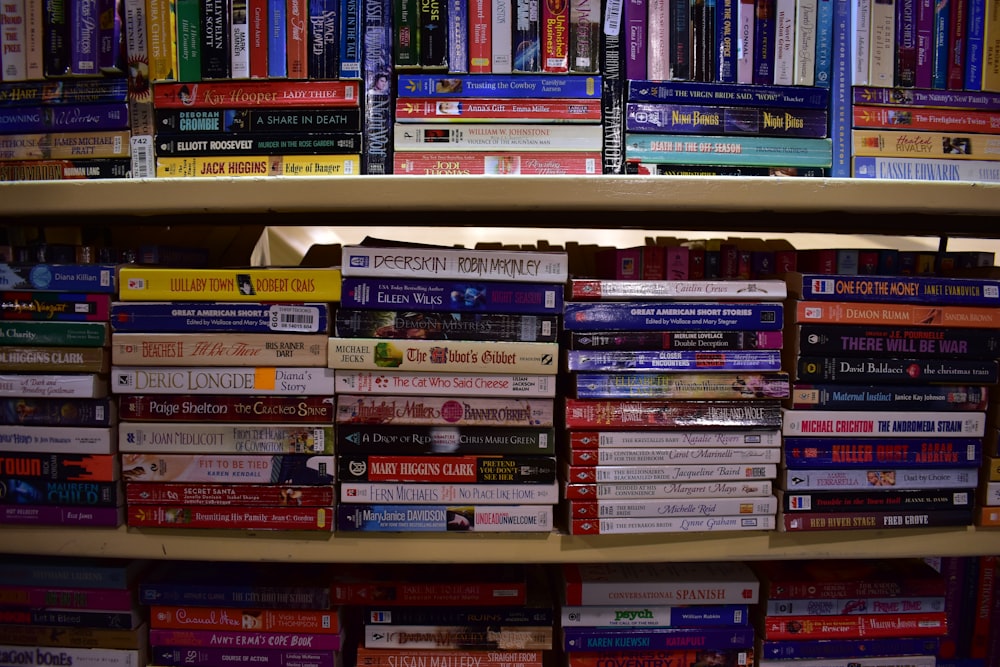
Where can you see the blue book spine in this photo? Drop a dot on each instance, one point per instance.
(725, 39)
(377, 74)
(689, 119)
(55, 412)
(190, 317)
(640, 316)
(812, 452)
(443, 518)
(495, 85)
(727, 150)
(458, 36)
(45, 492)
(349, 63)
(849, 648)
(974, 42)
(458, 296)
(59, 277)
(856, 397)
(939, 56)
(277, 48)
(59, 572)
(824, 42)
(688, 92)
(655, 639)
(665, 361)
(905, 169)
(764, 42)
(64, 118)
(841, 68)
(84, 38)
(65, 91)
(323, 33)
(897, 289)
(527, 36)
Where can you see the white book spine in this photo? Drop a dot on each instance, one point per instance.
(841, 479)
(53, 385)
(861, 41)
(218, 349)
(865, 423)
(13, 40)
(784, 43)
(804, 73)
(722, 438)
(228, 380)
(250, 438)
(443, 384)
(704, 507)
(670, 490)
(612, 456)
(239, 42)
(460, 263)
(665, 473)
(502, 36)
(713, 524)
(34, 29)
(658, 40)
(745, 41)
(59, 439)
(497, 136)
(882, 54)
(78, 657)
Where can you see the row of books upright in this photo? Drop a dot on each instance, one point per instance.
(871, 613)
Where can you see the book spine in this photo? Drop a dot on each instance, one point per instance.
(638, 316)
(910, 341)
(621, 509)
(445, 518)
(297, 39)
(635, 26)
(45, 492)
(625, 615)
(645, 490)
(703, 46)
(533, 613)
(60, 468)
(48, 411)
(247, 438)
(854, 480)
(222, 317)
(480, 31)
(841, 72)
(188, 40)
(219, 349)
(457, 356)
(870, 501)
(942, 32)
(242, 518)
(385, 658)
(746, 45)
(258, 165)
(141, 283)
(554, 28)
(201, 639)
(56, 39)
(764, 38)
(501, 37)
(258, 20)
(690, 119)
(497, 137)
(418, 439)
(510, 86)
(840, 648)
(430, 410)
(784, 43)
(59, 439)
(903, 371)
(584, 35)
(959, 398)
(882, 54)
(323, 37)
(42, 635)
(682, 386)
(458, 35)
(974, 43)
(93, 278)
(239, 39)
(727, 40)
(66, 359)
(433, 23)
(669, 525)
(66, 598)
(67, 515)
(349, 39)
(423, 493)
(13, 40)
(730, 150)
(68, 118)
(619, 413)
(444, 383)
(991, 47)
(224, 468)
(805, 48)
(277, 39)
(824, 42)
(84, 43)
(477, 636)
(199, 657)
(829, 452)
(259, 145)
(656, 50)
(936, 120)
(594, 658)
(662, 473)
(377, 73)
(162, 54)
(679, 30)
(957, 37)
(617, 456)
(673, 438)
(245, 495)
(672, 361)
(452, 294)
(902, 314)
(461, 264)
(215, 44)
(868, 423)
(235, 380)
(874, 520)
(361, 323)
(447, 468)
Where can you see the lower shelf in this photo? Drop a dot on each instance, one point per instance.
(175, 544)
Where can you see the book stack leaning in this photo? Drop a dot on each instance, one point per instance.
(445, 364)
(221, 375)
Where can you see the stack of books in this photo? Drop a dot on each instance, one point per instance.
(497, 124)
(445, 405)
(680, 613)
(59, 437)
(226, 399)
(223, 613)
(872, 612)
(83, 610)
(673, 405)
(892, 377)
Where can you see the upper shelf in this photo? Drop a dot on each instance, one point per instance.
(586, 201)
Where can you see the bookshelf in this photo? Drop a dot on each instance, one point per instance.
(721, 204)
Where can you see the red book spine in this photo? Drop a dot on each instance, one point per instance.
(555, 36)
(956, 45)
(859, 626)
(258, 38)
(480, 37)
(297, 18)
(984, 623)
(240, 518)
(325, 622)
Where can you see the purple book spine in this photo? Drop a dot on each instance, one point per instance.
(61, 515)
(84, 39)
(848, 648)
(109, 47)
(925, 43)
(590, 639)
(635, 35)
(460, 296)
(173, 656)
(65, 118)
(670, 360)
(221, 640)
(642, 117)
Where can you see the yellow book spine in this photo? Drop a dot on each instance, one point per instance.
(258, 165)
(160, 32)
(991, 47)
(905, 143)
(296, 285)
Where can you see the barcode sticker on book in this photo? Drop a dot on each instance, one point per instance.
(294, 318)
(142, 156)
